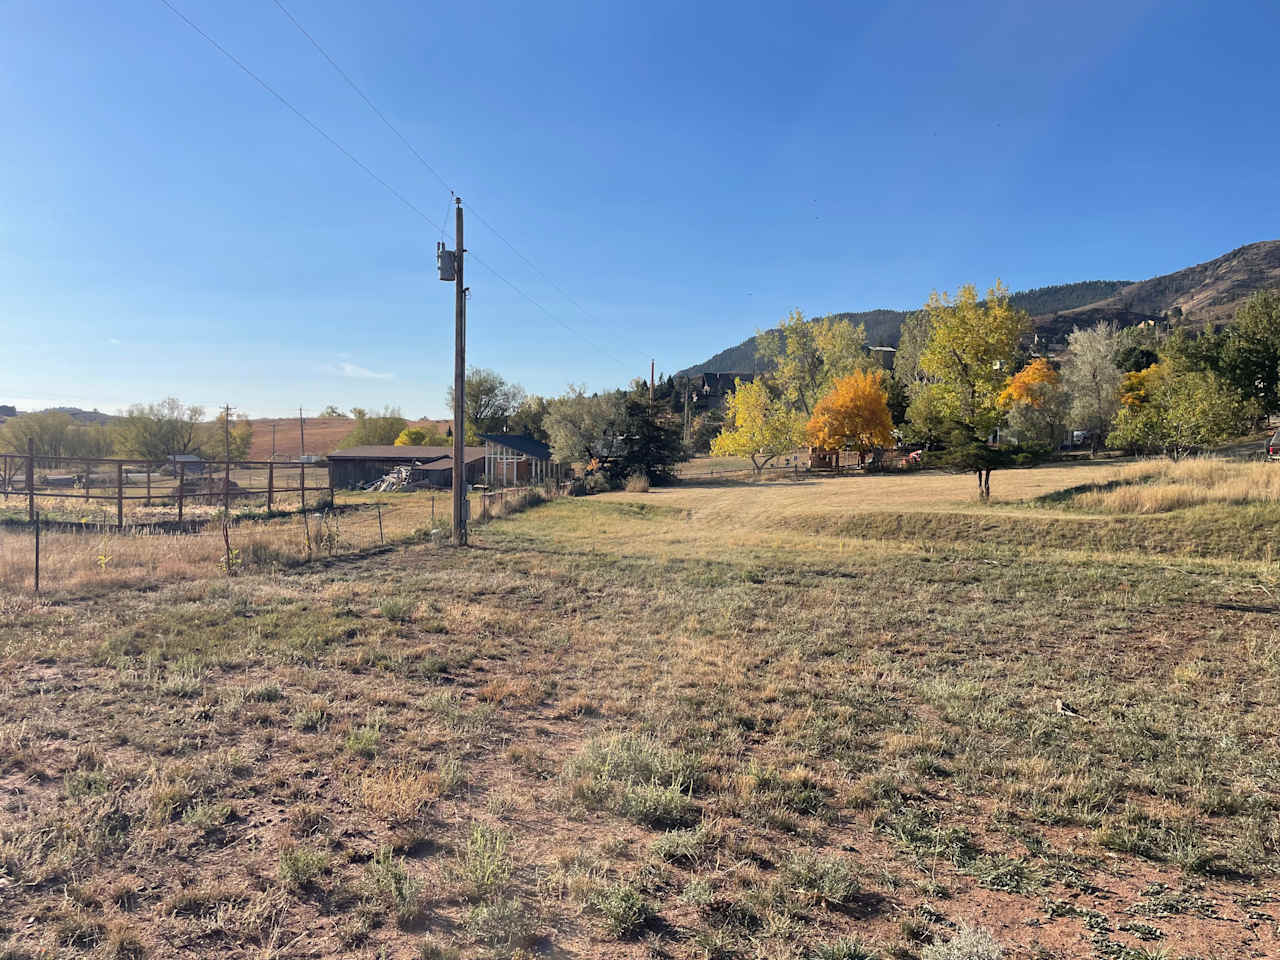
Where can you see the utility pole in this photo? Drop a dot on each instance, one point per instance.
(273, 440)
(459, 388)
(651, 383)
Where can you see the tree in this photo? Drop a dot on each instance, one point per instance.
(854, 414)
(971, 349)
(159, 430)
(420, 437)
(215, 444)
(378, 431)
(912, 339)
(758, 424)
(331, 412)
(1092, 379)
(54, 434)
(1176, 411)
(1035, 404)
(488, 400)
(1249, 357)
(584, 429)
(529, 418)
(646, 445)
(806, 357)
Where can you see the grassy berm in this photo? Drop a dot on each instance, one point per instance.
(833, 719)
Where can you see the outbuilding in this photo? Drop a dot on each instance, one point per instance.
(359, 466)
(515, 458)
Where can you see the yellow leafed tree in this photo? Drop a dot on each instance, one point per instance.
(757, 425)
(855, 414)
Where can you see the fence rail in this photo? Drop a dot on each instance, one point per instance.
(51, 554)
(162, 484)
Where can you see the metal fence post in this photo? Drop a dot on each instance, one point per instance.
(37, 554)
(182, 476)
(271, 483)
(31, 480)
(119, 495)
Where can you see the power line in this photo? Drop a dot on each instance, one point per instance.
(363, 166)
(301, 116)
(445, 183)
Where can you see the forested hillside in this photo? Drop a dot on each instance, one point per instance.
(883, 326)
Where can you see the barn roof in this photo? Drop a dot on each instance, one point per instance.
(521, 443)
(389, 452)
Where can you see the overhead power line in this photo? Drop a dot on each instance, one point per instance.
(300, 115)
(371, 173)
(445, 183)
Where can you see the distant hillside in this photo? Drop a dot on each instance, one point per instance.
(323, 434)
(884, 326)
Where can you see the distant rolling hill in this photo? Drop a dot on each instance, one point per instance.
(1208, 292)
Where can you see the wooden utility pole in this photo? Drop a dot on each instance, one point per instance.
(459, 388)
(651, 383)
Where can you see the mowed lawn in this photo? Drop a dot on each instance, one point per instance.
(835, 718)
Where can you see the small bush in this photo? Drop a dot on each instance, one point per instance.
(822, 878)
(843, 949)
(969, 943)
(312, 716)
(624, 910)
(363, 741)
(638, 483)
(484, 864)
(687, 847)
(393, 885)
(301, 866)
(657, 806)
(598, 483)
(501, 923)
(396, 609)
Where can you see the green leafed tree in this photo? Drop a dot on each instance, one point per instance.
(55, 434)
(374, 430)
(155, 431)
(969, 356)
(1177, 411)
(488, 400)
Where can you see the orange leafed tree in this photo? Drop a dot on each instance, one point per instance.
(854, 414)
(1029, 384)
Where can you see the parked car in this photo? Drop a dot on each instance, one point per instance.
(1273, 446)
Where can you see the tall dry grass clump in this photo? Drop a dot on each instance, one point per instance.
(638, 483)
(1158, 486)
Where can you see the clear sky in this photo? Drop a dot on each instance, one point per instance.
(685, 171)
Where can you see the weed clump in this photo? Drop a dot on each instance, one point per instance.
(969, 943)
(638, 778)
(623, 909)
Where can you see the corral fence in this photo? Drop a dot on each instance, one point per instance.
(49, 553)
(172, 491)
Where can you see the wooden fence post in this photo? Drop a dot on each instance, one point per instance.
(328, 470)
(271, 483)
(31, 480)
(88, 478)
(182, 476)
(148, 484)
(381, 538)
(119, 494)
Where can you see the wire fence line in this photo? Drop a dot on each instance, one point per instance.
(156, 492)
(65, 555)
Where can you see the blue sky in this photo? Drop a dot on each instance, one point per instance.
(685, 172)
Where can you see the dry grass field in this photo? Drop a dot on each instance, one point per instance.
(792, 720)
(322, 434)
